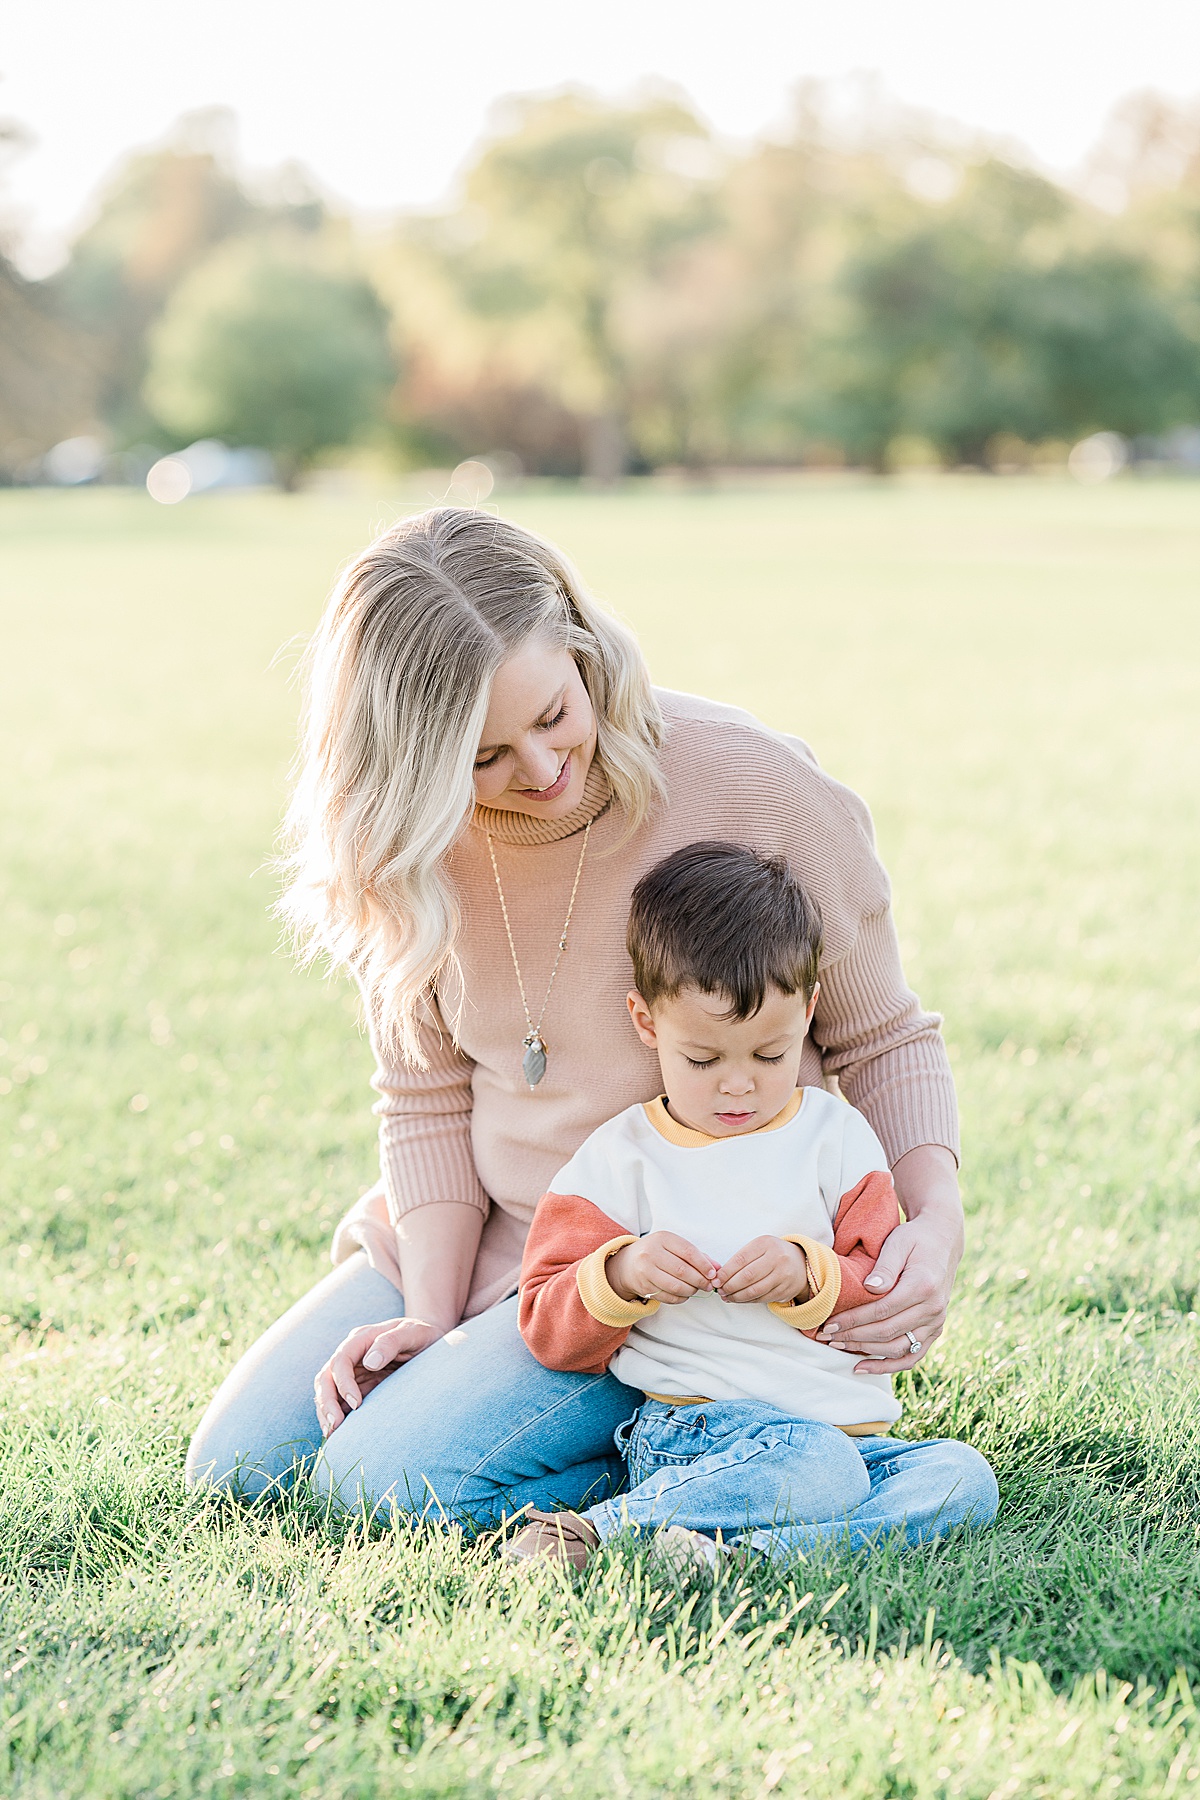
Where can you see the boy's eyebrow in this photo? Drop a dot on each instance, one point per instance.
(551, 706)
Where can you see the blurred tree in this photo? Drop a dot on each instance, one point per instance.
(271, 343)
(575, 207)
(159, 217)
(47, 381)
(997, 315)
(47, 377)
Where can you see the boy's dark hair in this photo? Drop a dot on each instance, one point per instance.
(727, 921)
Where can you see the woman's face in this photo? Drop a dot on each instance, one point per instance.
(539, 737)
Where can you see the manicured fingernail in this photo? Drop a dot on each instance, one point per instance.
(830, 1329)
(373, 1360)
(873, 1281)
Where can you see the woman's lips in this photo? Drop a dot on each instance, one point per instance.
(557, 786)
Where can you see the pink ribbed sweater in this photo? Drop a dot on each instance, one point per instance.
(468, 1129)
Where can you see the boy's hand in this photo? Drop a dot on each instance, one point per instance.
(660, 1266)
(766, 1270)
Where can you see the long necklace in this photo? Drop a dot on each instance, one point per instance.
(533, 1063)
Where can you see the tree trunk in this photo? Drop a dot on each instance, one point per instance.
(605, 450)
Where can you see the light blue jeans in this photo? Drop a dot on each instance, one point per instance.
(476, 1429)
(471, 1430)
(781, 1484)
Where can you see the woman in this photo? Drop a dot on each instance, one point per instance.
(486, 774)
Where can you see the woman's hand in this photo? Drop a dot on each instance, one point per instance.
(364, 1359)
(915, 1271)
(660, 1266)
(767, 1270)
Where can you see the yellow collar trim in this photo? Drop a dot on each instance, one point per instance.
(689, 1139)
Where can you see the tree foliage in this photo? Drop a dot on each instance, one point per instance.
(159, 216)
(823, 294)
(266, 343)
(612, 288)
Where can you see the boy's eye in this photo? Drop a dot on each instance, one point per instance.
(692, 1063)
(772, 1059)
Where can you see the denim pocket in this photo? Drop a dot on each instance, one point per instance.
(624, 1433)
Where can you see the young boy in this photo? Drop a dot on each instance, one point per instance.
(695, 1245)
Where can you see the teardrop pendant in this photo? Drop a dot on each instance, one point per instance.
(533, 1063)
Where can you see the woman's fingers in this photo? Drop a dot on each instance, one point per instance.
(402, 1341)
(390, 1346)
(889, 1340)
(912, 1283)
(345, 1360)
(850, 1333)
(329, 1411)
(362, 1360)
(898, 1355)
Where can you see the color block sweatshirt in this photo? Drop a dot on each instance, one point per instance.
(469, 1130)
(816, 1175)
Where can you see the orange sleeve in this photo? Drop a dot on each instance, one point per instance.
(866, 1217)
(568, 1244)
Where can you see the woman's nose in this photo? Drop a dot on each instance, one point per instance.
(537, 766)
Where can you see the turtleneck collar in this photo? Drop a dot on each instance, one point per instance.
(522, 828)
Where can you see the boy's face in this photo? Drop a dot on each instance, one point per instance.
(725, 1076)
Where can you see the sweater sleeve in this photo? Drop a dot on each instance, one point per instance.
(424, 1117)
(887, 1053)
(874, 1036)
(869, 1212)
(568, 1314)
(866, 1214)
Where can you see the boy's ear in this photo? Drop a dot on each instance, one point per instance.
(812, 1005)
(643, 1022)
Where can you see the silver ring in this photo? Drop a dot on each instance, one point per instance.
(914, 1343)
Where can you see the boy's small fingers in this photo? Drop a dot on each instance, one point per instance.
(684, 1270)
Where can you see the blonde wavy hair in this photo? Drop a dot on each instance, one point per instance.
(398, 679)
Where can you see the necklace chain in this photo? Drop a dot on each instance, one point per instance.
(534, 1040)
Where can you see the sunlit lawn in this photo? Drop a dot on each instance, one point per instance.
(1009, 672)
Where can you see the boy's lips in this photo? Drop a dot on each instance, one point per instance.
(734, 1118)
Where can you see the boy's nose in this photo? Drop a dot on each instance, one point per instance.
(733, 1086)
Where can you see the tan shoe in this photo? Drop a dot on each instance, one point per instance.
(564, 1536)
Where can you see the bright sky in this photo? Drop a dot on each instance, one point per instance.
(382, 99)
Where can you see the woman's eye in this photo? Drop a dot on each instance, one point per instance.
(488, 761)
(692, 1063)
(549, 724)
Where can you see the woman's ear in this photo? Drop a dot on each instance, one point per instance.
(643, 1022)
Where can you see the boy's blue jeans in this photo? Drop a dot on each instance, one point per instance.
(780, 1484)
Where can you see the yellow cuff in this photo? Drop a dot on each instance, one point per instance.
(824, 1286)
(603, 1302)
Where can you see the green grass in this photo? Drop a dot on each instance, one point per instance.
(1009, 672)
